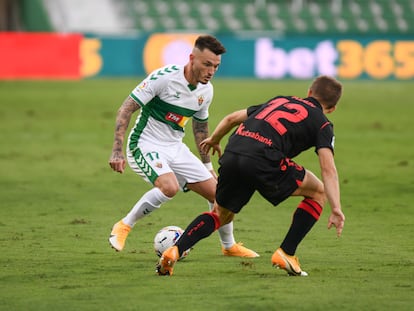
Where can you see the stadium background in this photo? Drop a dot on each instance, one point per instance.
(266, 39)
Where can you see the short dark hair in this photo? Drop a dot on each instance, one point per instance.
(326, 90)
(210, 43)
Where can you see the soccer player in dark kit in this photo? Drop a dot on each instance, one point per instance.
(258, 157)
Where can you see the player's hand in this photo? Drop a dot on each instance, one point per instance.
(207, 144)
(117, 162)
(336, 219)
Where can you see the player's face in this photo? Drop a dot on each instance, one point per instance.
(204, 65)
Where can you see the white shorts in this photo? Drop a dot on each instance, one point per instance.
(150, 161)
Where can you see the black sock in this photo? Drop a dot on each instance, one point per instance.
(200, 228)
(301, 224)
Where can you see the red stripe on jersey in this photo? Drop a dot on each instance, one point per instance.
(325, 124)
(312, 207)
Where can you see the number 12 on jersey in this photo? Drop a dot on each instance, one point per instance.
(293, 112)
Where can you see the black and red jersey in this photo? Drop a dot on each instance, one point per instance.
(282, 127)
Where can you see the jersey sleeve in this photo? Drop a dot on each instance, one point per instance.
(326, 137)
(202, 115)
(148, 88)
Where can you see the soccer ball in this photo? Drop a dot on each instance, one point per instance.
(166, 238)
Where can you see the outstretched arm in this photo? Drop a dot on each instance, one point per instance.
(331, 184)
(117, 159)
(224, 126)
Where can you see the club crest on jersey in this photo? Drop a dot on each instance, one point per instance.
(200, 100)
(158, 164)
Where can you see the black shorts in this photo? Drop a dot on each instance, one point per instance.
(241, 176)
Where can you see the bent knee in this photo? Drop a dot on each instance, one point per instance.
(170, 192)
(320, 198)
(312, 188)
(319, 194)
(168, 187)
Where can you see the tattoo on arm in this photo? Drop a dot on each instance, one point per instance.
(200, 130)
(123, 118)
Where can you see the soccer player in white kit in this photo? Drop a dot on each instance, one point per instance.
(167, 98)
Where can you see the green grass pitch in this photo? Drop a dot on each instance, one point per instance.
(59, 200)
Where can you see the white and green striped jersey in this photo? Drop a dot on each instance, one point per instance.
(167, 102)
